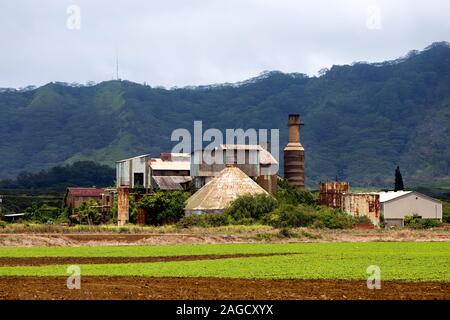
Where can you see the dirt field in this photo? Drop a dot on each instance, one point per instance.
(216, 236)
(104, 260)
(211, 288)
(121, 287)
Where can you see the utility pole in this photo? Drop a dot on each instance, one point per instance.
(117, 64)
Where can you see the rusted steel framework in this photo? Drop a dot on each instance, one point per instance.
(363, 204)
(122, 206)
(331, 193)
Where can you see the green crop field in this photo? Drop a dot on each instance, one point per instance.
(419, 261)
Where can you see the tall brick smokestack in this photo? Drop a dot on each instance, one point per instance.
(294, 154)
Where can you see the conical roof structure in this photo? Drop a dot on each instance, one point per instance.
(217, 194)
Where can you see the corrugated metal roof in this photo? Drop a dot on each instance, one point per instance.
(86, 192)
(389, 195)
(266, 158)
(222, 190)
(158, 164)
(240, 147)
(386, 196)
(174, 156)
(171, 182)
(137, 157)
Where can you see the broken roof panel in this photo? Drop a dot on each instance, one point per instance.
(171, 182)
(158, 164)
(240, 147)
(173, 156)
(86, 192)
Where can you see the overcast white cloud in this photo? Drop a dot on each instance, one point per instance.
(191, 42)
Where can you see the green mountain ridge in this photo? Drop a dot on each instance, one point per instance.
(361, 120)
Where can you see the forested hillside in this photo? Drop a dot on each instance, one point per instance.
(361, 120)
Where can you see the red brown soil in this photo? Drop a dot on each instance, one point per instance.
(108, 239)
(204, 236)
(214, 288)
(37, 261)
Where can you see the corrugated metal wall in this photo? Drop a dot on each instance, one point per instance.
(363, 204)
(331, 193)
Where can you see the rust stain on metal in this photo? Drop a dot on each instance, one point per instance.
(331, 193)
(122, 206)
(141, 218)
(294, 154)
(363, 204)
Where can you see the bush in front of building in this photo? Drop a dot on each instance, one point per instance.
(289, 194)
(330, 218)
(164, 207)
(292, 209)
(251, 208)
(445, 211)
(292, 216)
(88, 213)
(43, 214)
(416, 222)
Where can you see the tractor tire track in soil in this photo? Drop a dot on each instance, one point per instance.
(39, 261)
(214, 288)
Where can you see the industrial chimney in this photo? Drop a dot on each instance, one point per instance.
(294, 154)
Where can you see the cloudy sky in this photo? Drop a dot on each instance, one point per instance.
(192, 42)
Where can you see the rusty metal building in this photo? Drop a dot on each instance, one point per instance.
(332, 192)
(254, 160)
(169, 172)
(133, 172)
(294, 154)
(75, 196)
(363, 204)
(123, 206)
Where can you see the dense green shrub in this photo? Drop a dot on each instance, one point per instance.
(251, 207)
(445, 211)
(415, 222)
(288, 215)
(291, 195)
(89, 213)
(163, 207)
(42, 214)
(205, 220)
(333, 219)
(293, 208)
(364, 220)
